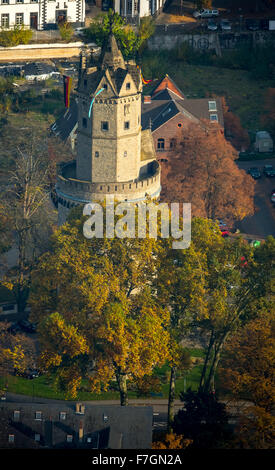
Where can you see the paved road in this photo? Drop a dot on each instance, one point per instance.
(262, 223)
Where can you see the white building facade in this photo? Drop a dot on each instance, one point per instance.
(138, 8)
(41, 14)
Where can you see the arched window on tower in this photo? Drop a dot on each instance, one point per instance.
(160, 144)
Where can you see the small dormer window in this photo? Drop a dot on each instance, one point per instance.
(105, 86)
(212, 105)
(16, 415)
(62, 415)
(38, 415)
(128, 86)
(127, 125)
(213, 117)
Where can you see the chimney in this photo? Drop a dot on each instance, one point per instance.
(147, 99)
(80, 431)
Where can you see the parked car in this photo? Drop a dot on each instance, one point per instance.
(224, 230)
(28, 373)
(212, 25)
(205, 13)
(225, 25)
(254, 172)
(26, 326)
(79, 31)
(252, 25)
(269, 170)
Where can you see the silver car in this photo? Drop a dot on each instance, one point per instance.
(212, 25)
(225, 25)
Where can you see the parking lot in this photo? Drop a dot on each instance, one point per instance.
(262, 223)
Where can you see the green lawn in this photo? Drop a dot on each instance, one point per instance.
(43, 386)
(244, 95)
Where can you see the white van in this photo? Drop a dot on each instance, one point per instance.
(205, 13)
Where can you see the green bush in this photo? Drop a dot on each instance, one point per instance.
(66, 31)
(14, 37)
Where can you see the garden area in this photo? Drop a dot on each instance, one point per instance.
(157, 387)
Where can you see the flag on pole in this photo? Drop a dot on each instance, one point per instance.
(67, 89)
(145, 82)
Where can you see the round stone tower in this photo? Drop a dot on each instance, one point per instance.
(114, 156)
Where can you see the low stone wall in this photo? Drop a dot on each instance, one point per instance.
(209, 40)
(43, 51)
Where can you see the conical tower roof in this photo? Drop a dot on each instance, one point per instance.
(111, 55)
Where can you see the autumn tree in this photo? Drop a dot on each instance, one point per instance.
(97, 316)
(26, 206)
(235, 293)
(234, 130)
(248, 373)
(203, 171)
(180, 287)
(172, 441)
(16, 352)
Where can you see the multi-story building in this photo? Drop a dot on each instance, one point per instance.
(136, 9)
(41, 14)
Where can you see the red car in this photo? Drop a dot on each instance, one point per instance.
(224, 230)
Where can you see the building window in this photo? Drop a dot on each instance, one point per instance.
(126, 109)
(84, 122)
(19, 1)
(69, 438)
(172, 143)
(37, 437)
(128, 86)
(38, 415)
(212, 105)
(96, 154)
(5, 2)
(5, 20)
(160, 144)
(16, 415)
(104, 126)
(127, 125)
(105, 86)
(125, 153)
(62, 416)
(85, 83)
(213, 117)
(19, 19)
(11, 437)
(179, 124)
